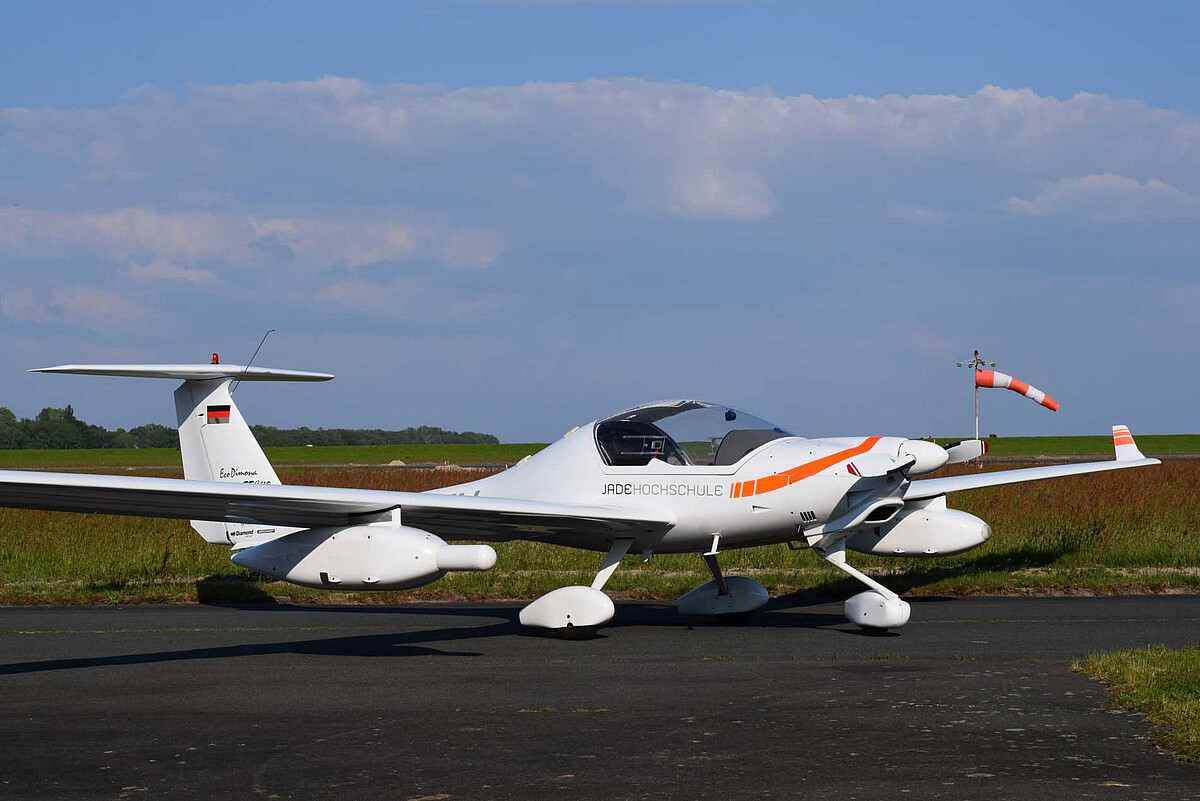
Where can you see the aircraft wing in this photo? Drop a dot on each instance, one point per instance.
(448, 516)
(1127, 452)
(932, 487)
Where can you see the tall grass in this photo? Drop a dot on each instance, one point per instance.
(1133, 530)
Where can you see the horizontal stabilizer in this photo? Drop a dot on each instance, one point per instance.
(186, 372)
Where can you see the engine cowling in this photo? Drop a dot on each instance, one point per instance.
(924, 531)
(929, 455)
(363, 558)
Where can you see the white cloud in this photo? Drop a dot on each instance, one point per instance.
(661, 148)
(1106, 198)
(81, 306)
(169, 271)
(159, 246)
(921, 215)
(921, 340)
(19, 304)
(99, 309)
(357, 243)
(406, 297)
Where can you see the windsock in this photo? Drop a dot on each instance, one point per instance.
(994, 378)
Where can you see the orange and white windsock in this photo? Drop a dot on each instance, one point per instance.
(994, 378)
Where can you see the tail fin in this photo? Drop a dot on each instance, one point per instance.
(214, 439)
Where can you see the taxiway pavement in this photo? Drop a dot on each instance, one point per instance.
(974, 699)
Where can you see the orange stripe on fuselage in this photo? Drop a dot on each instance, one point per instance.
(779, 480)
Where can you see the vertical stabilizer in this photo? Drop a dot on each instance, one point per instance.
(216, 442)
(217, 445)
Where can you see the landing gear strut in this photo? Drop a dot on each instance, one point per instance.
(876, 610)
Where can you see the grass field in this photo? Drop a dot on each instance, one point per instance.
(1126, 531)
(507, 453)
(1163, 683)
(510, 453)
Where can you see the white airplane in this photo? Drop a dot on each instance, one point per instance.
(671, 477)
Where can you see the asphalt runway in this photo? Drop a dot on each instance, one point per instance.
(973, 700)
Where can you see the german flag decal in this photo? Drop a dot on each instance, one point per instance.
(218, 414)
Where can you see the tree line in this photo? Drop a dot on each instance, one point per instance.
(61, 429)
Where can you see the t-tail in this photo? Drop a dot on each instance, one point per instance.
(214, 440)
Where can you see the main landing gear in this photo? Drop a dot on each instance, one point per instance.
(576, 612)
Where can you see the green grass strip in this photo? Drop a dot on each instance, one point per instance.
(1163, 683)
(1101, 446)
(374, 455)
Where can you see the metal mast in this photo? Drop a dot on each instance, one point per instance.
(975, 363)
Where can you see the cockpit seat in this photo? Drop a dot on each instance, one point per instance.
(739, 442)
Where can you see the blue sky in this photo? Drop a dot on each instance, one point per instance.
(515, 216)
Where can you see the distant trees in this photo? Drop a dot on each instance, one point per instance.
(60, 429)
(423, 435)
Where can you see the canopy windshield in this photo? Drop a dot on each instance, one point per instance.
(685, 432)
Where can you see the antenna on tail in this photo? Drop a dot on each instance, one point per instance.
(237, 381)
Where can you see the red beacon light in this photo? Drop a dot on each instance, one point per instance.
(216, 359)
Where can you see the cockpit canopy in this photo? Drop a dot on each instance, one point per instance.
(685, 432)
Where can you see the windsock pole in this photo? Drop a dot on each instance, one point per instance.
(975, 363)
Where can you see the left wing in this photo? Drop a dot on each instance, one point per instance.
(1127, 452)
(448, 516)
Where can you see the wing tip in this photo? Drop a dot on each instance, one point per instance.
(1125, 446)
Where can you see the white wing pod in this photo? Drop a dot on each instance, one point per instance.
(930, 529)
(466, 557)
(362, 558)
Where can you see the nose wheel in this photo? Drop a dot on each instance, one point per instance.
(878, 609)
(731, 600)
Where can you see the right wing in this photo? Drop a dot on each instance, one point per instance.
(448, 516)
(1127, 452)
